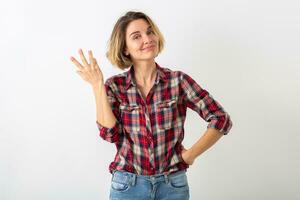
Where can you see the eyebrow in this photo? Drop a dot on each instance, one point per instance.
(149, 27)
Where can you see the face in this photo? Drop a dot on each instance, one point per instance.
(141, 42)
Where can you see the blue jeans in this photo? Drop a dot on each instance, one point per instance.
(129, 186)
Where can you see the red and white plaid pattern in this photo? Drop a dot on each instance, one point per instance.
(148, 133)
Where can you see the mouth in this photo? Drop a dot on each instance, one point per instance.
(149, 48)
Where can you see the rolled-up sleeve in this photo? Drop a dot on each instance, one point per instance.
(201, 101)
(114, 133)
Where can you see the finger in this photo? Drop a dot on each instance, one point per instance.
(91, 59)
(83, 58)
(76, 63)
(96, 66)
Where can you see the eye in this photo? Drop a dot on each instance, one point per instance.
(136, 37)
(150, 31)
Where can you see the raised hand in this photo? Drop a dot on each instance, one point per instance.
(89, 71)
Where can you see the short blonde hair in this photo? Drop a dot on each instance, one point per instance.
(116, 46)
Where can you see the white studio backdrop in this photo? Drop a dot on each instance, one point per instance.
(245, 53)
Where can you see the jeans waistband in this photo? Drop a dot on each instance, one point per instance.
(153, 178)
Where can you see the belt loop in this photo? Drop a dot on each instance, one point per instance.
(112, 175)
(133, 180)
(166, 178)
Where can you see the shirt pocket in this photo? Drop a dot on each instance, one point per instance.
(166, 114)
(130, 115)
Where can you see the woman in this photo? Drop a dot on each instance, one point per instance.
(143, 111)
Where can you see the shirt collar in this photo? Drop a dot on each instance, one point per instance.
(131, 80)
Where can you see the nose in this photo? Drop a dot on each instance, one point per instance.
(147, 39)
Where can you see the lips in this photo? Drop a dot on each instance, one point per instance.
(150, 47)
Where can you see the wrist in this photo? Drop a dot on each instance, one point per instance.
(98, 86)
(192, 153)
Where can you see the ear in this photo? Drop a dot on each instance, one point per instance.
(126, 52)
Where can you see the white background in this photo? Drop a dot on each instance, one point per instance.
(245, 53)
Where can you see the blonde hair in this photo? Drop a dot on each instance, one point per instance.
(115, 53)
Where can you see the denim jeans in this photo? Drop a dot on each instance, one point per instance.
(129, 186)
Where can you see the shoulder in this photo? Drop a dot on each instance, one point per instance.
(185, 81)
(113, 84)
(171, 73)
(176, 74)
(118, 79)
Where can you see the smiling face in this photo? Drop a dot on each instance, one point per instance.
(141, 41)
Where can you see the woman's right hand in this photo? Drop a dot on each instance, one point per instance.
(89, 72)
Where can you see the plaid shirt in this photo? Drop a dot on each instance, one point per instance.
(148, 132)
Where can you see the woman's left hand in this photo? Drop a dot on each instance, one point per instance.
(187, 157)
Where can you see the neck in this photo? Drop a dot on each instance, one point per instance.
(145, 72)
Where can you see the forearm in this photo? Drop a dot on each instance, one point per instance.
(105, 116)
(210, 137)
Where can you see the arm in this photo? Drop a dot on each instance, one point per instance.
(105, 116)
(107, 113)
(210, 137)
(199, 100)
(106, 103)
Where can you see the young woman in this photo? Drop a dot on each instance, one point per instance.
(143, 110)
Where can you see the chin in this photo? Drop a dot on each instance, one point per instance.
(149, 57)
